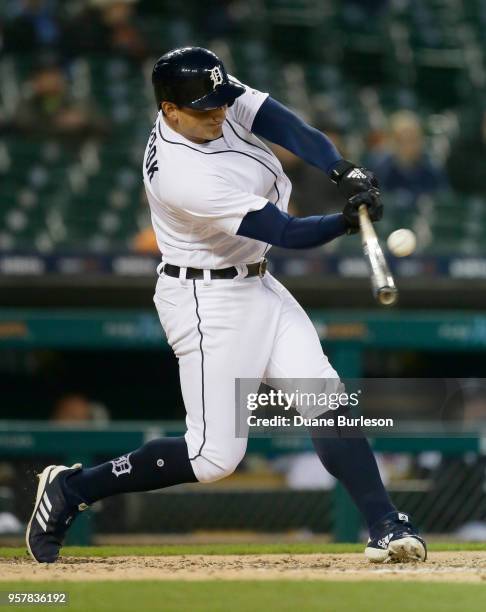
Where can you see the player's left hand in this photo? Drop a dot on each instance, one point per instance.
(371, 198)
(352, 179)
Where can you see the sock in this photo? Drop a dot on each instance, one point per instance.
(352, 462)
(155, 465)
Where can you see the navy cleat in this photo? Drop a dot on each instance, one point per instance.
(394, 539)
(54, 512)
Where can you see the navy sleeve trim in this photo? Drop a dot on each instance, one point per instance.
(278, 228)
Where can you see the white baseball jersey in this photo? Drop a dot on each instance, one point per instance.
(199, 193)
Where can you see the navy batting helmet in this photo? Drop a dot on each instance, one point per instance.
(193, 77)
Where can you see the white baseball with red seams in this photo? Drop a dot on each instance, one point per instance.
(222, 329)
(402, 242)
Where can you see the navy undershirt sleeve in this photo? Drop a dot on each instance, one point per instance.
(281, 126)
(278, 228)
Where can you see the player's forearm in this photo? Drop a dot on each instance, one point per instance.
(281, 126)
(275, 227)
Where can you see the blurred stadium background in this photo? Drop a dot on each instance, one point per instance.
(85, 372)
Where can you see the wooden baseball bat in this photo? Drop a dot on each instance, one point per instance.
(382, 281)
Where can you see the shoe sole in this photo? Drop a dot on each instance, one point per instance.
(43, 478)
(405, 550)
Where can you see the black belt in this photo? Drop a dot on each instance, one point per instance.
(254, 269)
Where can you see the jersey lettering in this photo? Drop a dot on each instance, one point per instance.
(151, 160)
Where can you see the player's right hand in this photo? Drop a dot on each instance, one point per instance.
(371, 198)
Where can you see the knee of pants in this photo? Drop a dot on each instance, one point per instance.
(209, 467)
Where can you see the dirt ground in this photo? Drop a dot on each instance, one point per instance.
(441, 566)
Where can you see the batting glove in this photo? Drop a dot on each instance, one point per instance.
(371, 199)
(352, 179)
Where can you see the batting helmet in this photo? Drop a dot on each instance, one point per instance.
(193, 77)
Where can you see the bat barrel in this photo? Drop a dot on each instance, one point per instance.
(387, 295)
(382, 281)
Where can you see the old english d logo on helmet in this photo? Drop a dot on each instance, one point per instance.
(193, 77)
(216, 76)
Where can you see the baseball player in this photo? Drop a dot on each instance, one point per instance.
(218, 198)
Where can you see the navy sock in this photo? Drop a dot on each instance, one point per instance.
(347, 456)
(155, 465)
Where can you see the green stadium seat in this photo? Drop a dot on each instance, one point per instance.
(411, 56)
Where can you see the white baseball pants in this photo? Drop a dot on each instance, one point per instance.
(221, 330)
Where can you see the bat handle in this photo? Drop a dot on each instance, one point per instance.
(365, 222)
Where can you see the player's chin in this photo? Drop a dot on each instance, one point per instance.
(214, 131)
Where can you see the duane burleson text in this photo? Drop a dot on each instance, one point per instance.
(300, 421)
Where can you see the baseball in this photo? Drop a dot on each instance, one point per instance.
(402, 242)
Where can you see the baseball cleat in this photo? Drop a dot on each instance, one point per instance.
(53, 514)
(395, 540)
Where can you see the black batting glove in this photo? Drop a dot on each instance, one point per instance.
(371, 199)
(352, 179)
